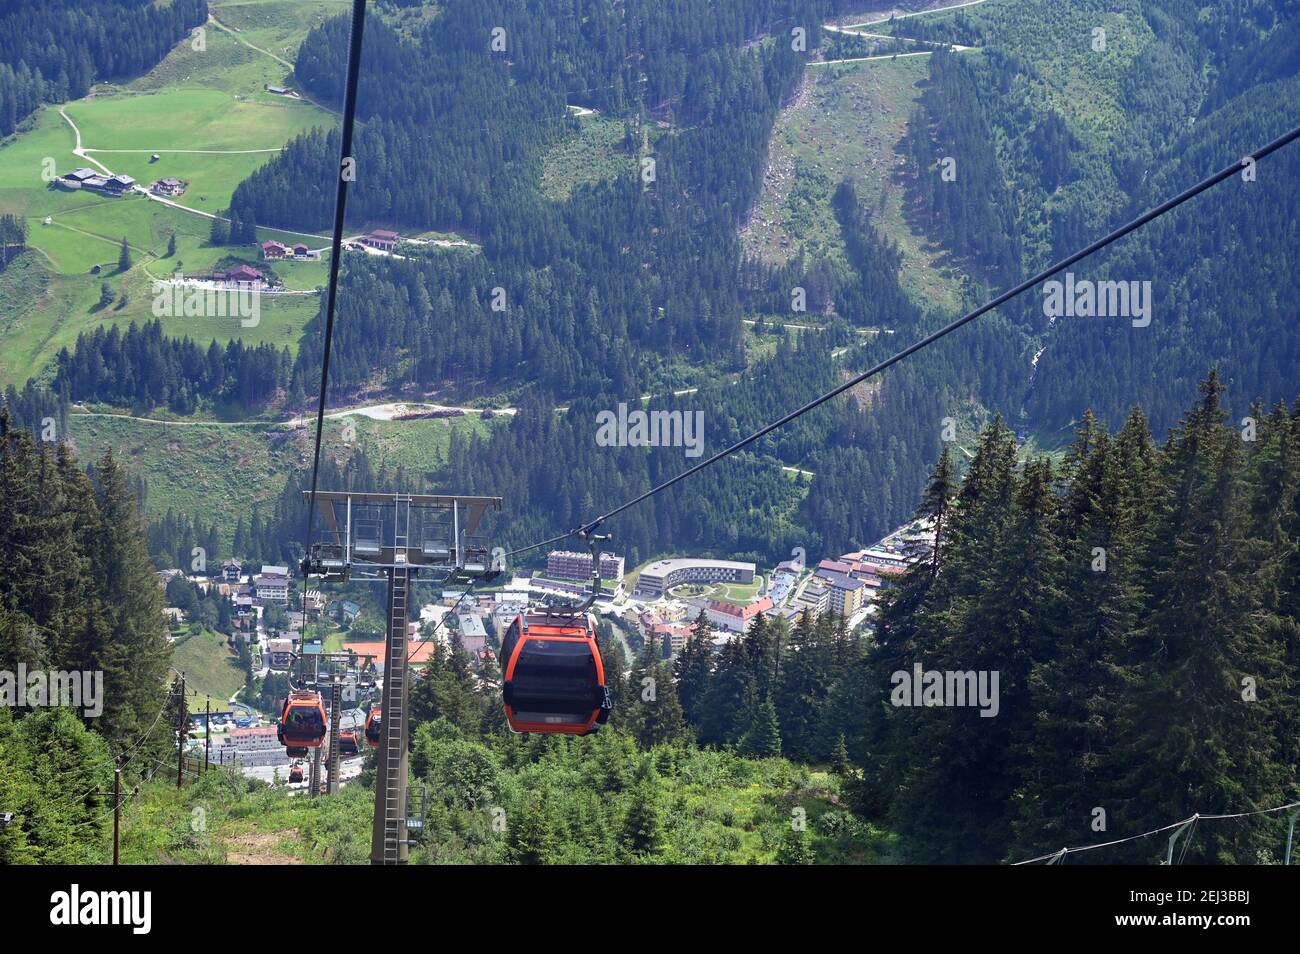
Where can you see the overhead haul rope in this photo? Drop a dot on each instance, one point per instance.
(1123, 230)
(345, 173)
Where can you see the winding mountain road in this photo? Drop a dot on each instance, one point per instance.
(385, 411)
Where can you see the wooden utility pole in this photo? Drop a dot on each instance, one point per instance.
(117, 811)
(207, 734)
(182, 733)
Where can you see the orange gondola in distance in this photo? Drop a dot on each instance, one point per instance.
(554, 676)
(348, 743)
(302, 723)
(374, 722)
(295, 773)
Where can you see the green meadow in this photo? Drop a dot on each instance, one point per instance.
(228, 62)
(276, 26)
(33, 327)
(203, 113)
(211, 669)
(189, 119)
(210, 138)
(220, 469)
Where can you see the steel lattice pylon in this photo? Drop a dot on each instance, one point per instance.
(397, 537)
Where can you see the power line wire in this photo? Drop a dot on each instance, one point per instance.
(1191, 819)
(123, 758)
(1111, 237)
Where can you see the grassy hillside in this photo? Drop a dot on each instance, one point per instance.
(418, 446)
(229, 62)
(207, 116)
(211, 670)
(273, 25)
(1066, 75)
(34, 328)
(220, 470)
(208, 137)
(713, 808)
(215, 469)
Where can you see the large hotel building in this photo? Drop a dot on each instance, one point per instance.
(567, 565)
(658, 578)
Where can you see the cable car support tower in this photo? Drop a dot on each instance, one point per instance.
(397, 537)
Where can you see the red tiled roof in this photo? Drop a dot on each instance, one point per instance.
(253, 732)
(672, 629)
(741, 612)
(882, 568)
(378, 648)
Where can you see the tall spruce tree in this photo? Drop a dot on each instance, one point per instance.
(693, 668)
(1199, 714)
(763, 739)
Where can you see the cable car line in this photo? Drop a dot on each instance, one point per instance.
(1149, 216)
(469, 589)
(336, 255)
(302, 736)
(552, 674)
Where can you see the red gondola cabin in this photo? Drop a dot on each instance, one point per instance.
(554, 676)
(374, 722)
(302, 723)
(348, 743)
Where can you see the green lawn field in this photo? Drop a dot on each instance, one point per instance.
(210, 138)
(211, 669)
(188, 119)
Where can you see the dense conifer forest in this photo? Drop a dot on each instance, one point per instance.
(631, 287)
(1116, 506)
(78, 594)
(1140, 603)
(53, 50)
